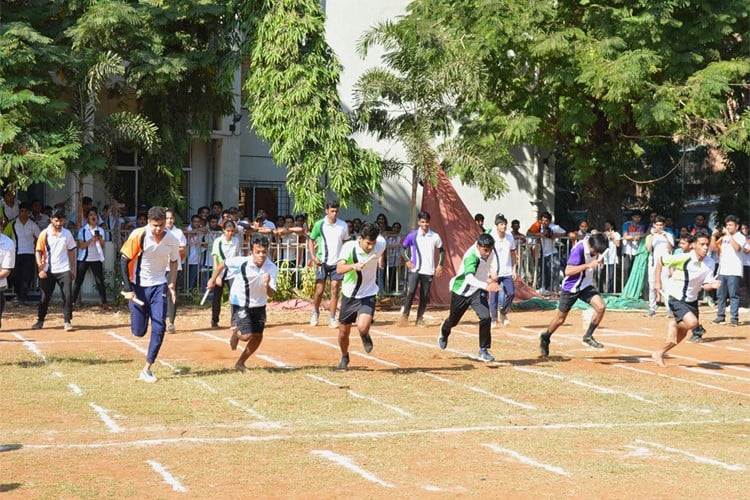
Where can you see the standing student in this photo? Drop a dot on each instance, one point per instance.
(608, 274)
(730, 243)
(180, 237)
(578, 284)
(690, 275)
(632, 233)
(506, 270)
(326, 239)
(56, 261)
(7, 263)
(253, 283)
(225, 247)
(144, 256)
(24, 232)
(658, 244)
(469, 288)
(545, 232)
(419, 248)
(91, 256)
(358, 264)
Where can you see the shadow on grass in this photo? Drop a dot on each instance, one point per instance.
(719, 365)
(9, 487)
(10, 447)
(620, 359)
(61, 360)
(537, 360)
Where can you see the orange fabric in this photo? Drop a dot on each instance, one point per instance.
(454, 223)
(132, 249)
(535, 227)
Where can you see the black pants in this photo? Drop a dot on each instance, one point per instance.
(23, 275)
(97, 268)
(459, 305)
(425, 282)
(47, 286)
(218, 291)
(171, 306)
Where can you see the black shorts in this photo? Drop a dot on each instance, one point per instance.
(350, 308)
(567, 299)
(680, 308)
(249, 319)
(323, 271)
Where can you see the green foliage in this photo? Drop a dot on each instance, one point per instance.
(294, 105)
(285, 285)
(307, 287)
(602, 84)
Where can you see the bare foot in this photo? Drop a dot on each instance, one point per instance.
(658, 358)
(240, 368)
(234, 340)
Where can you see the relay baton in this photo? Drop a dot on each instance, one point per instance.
(135, 299)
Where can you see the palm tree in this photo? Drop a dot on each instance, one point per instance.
(413, 99)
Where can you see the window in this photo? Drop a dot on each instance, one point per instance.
(125, 185)
(270, 196)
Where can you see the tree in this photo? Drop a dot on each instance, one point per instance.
(35, 140)
(413, 99)
(603, 84)
(294, 105)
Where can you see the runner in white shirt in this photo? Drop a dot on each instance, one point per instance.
(253, 283)
(358, 264)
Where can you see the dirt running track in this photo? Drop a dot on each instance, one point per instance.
(408, 420)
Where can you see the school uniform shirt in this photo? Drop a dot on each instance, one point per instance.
(24, 235)
(579, 254)
(611, 256)
(659, 247)
(207, 260)
(730, 261)
(422, 248)
(330, 239)
(180, 237)
(90, 253)
(10, 212)
(503, 250)
(688, 277)
(149, 259)
(473, 273)
(7, 257)
(361, 284)
(224, 249)
(248, 289)
(196, 248)
(54, 249)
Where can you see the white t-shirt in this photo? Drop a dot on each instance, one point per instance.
(611, 255)
(149, 259)
(330, 237)
(25, 235)
(55, 247)
(180, 236)
(7, 256)
(422, 248)
(659, 247)
(93, 252)
(503, 249)
(361, 284)
(730, 261)
(248, 289)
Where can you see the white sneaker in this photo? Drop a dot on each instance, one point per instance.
(147, 376)
(67, 326)
(333, 323)
(504, 319)
(314, 319)
(493, 324)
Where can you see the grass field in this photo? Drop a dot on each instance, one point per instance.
(408, 420)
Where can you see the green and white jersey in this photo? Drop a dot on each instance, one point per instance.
(473, 273)
(361, 284)
(330, 238)
(688, 277)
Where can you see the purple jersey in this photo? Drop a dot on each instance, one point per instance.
(580, 254)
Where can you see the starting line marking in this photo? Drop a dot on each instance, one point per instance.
(679, 379)
(348, 463)
(481, 391)
(697, 458)
(168, 477)
(304, 336)
(527, 460)
(141, 349)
